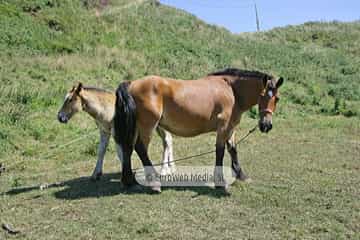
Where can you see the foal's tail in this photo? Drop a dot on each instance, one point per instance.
(125, 116)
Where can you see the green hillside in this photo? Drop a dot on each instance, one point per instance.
(320, 60)
(301, 167)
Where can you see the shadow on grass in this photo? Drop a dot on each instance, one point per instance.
(108, 185)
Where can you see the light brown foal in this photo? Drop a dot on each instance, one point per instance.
(100, 105)
(188, 108)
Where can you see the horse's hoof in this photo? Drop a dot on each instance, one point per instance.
(129, 181)
(96, 176)
(156, 189)
(155, 186)
(223, 189)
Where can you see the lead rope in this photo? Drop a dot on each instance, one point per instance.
(59, 184)
(204, 153)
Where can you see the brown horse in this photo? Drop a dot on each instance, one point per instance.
(189, 108)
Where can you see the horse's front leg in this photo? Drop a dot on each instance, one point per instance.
(219, 179)
(103, 144)
(218, 172)
(235, 165)
(224, 133)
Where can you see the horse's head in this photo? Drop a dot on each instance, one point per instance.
(71, 105)
(267, 102)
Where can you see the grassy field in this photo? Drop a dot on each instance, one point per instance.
(306, 186)
(305, 171)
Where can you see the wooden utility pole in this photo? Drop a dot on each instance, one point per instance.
(257, 18)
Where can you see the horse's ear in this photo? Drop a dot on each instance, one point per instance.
(78, 88)
(279, 82)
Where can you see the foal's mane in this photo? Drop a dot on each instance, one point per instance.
(242, 73)
(88, 88)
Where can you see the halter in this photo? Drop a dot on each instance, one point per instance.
(266, 110)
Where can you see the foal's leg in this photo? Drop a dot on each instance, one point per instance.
(169, 143)
(104, 141)
(235, 165)
(168, 166)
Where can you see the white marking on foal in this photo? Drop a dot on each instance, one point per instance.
(104, 141)
(167, 166)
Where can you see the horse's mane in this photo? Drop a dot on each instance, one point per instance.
(241, 73)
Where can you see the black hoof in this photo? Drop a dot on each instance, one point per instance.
(96, 177)
(129, 180)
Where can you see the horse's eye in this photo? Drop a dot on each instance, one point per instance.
(277, 99)
(70, 100)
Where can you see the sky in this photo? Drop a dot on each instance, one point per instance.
(239, 15)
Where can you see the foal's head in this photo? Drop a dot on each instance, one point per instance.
(267, 102)
(71, 105)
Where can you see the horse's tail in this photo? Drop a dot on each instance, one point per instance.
(125, 116)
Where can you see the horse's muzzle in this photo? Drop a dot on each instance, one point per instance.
(265, 126)
(62, 117)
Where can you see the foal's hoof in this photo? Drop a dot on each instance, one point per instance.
(96, 176)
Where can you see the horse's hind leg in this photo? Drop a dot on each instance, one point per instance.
(124, 154)
(168, 166)
(146, 125)
(235, 165)
(141, 148)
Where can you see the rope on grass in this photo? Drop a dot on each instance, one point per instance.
(176, 160)
(54, 150)
(205, 153)
(57, 147)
